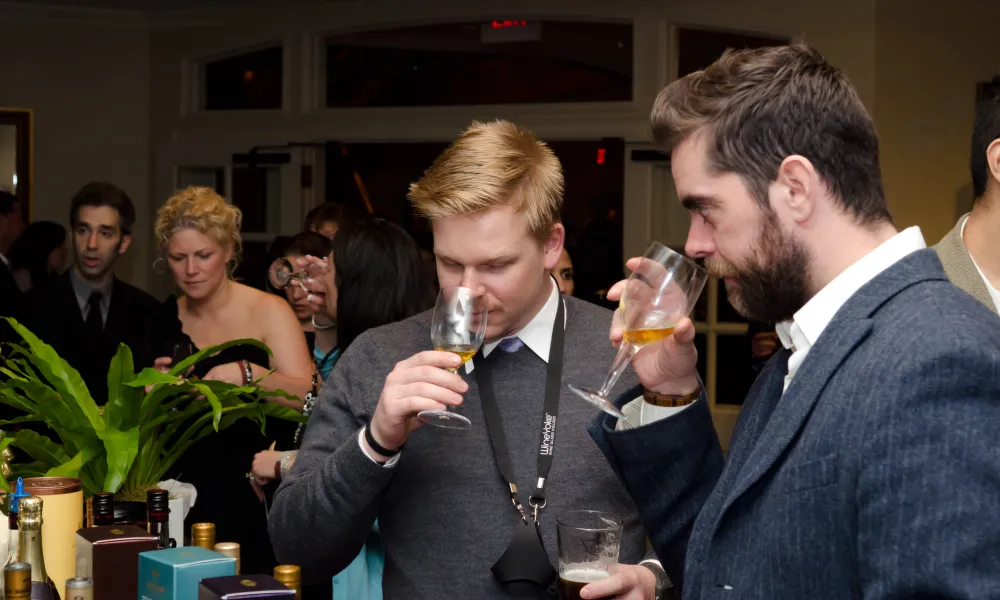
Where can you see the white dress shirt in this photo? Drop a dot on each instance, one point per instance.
(801, 333)
(536, 335)
(994, 292)
(4, 260)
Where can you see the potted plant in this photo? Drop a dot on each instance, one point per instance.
(130, 444)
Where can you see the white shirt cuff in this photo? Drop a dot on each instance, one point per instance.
(650, 413)
(388, 464)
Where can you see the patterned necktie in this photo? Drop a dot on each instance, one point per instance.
(511, 345)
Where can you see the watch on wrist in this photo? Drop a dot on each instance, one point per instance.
(662, 580)
(670, 400)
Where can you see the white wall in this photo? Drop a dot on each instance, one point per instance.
(85, 74)
(929, 57)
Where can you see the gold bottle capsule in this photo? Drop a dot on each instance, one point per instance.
(203, 534)
(291, 577)
(230, 549)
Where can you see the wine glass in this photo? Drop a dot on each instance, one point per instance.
(661, 291)
(283, 273)
(458, 326)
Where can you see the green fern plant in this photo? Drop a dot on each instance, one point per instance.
(132, 443)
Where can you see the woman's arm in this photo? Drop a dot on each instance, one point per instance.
(293, 366)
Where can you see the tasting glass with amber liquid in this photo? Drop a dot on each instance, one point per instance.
(661, 291)
(458, 326)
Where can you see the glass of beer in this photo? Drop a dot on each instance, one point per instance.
(589, 543)
(661, 291)
(458, 326)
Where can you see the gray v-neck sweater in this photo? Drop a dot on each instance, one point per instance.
(444, 513)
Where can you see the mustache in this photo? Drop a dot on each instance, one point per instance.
(721, 269)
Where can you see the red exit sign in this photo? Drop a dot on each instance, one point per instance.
(507, 24)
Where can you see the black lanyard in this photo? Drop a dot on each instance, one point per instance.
(547, 438)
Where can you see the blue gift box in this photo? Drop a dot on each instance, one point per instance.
(174, 573)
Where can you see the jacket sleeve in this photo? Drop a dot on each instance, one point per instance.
(326, 506)
(669, 467)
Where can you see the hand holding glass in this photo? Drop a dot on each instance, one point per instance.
(589, 545)
(661, 291)
(283, 273)
(458, 326)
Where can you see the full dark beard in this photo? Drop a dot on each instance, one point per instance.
(774, 284)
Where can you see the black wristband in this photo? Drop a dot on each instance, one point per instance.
(378, 447)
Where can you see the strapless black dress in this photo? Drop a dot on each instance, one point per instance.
(217, 466)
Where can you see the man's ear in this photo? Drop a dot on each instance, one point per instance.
(798, 185)
(552, 246)
(993, 161)
(125, 243)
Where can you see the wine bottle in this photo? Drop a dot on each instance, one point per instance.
(158, 518)
(30, 550)
(103, 509)
(15, 538)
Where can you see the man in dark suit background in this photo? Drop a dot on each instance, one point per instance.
(864, 463)
(88, 312)
(11, 225)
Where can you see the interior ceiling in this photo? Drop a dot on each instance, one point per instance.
(157, 5)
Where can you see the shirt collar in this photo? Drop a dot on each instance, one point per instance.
(537, 334)
(83, 290)
(994, 293)
(4, 260)
(809, 321)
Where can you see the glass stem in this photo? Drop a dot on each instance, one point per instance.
(625, 354)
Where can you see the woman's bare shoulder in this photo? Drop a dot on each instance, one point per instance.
(264, 307)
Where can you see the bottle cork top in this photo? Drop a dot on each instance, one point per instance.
(286, 573)
(30, 511)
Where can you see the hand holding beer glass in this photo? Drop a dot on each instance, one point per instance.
(662, 289)
(589, 544)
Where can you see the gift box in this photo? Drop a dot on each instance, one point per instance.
(110, 555)
(174, 573)
(243, 587)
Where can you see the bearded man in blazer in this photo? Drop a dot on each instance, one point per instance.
(864, 463)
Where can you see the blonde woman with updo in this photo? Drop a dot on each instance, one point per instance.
(198, 235)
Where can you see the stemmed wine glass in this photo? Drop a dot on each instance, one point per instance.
(458, 326)
(283, 273)
(661, 291)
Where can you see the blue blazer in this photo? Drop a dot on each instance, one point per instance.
(876, 475)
